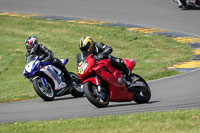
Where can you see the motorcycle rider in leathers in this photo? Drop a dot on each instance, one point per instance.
(33, 48)
(103, 51)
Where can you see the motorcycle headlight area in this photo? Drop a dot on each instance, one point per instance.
(30, 66)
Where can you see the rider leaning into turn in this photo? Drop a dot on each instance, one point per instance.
(33, 48)
(103, 51)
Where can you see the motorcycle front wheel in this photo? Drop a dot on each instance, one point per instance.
(45, 92)
(98, 98)
(141, 94)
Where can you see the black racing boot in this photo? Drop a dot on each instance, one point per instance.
(68, 77)
(66, 74)
(127, 74)
(64, 70)
(57, 63)
(127, 78)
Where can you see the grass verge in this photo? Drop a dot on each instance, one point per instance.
(153, 53)
(181, 121)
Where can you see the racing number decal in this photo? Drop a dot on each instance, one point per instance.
(82, 67)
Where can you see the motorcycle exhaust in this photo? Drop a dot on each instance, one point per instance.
(137, 87)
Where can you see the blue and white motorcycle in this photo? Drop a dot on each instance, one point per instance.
(48, 80)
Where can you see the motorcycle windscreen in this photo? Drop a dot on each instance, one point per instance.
(31, 58)
(81, 57)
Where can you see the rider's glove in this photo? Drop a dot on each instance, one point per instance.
(101, 55)
(41, 57)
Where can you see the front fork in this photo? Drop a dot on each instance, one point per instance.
(43, 81)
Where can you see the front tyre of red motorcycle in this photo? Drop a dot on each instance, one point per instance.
(98, 98)
(141, 94)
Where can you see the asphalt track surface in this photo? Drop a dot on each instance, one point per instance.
(162, 14)
(176, 92)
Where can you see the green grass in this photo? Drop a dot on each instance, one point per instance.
(181, 121)
(153, 53)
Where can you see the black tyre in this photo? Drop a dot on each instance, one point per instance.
(141, 94)
(45, 92)
(77, 90)
(100, 98)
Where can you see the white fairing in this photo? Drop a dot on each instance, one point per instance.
(28, 67)
(62, 60)
(55, 74)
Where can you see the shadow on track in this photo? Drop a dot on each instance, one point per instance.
(128, 104)
(190, 8)
(63, 98)
(67, 98)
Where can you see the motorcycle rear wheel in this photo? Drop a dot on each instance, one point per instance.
(46, 93)
(77, 90)
(141, 95)
(98, 99)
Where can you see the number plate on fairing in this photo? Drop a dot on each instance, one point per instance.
(81, 68)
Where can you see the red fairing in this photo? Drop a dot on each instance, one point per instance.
(104, 71)
(94, 80)
(117, 92)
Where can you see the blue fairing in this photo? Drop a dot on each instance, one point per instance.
(27, 74)
(43, 64)
(34, 65)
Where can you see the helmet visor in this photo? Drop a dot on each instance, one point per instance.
(85, 48)
(29, 46)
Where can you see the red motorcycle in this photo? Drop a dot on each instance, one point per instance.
(103, 83)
